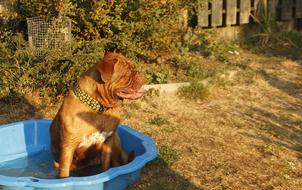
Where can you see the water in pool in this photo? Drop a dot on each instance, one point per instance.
(38, 165)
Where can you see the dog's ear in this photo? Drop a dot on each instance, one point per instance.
(112, 63)
(106, 66)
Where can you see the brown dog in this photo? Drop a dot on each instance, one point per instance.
(83, 132)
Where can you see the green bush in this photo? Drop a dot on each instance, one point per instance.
(134, 28)
(142, 30)
(51, 74)
(156, 77)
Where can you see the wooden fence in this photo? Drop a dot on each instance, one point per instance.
(221, 13)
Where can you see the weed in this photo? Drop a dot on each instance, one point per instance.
(169, 129)
(158, 120)
(168, 154)
(221, 50)
(178, 62)
(188, 68)
(196, 72)
(151, 93)
(195, 91)
(133, 105)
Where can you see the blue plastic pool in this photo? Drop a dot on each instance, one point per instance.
(26, 164)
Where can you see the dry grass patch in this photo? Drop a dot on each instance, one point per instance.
(246, 135)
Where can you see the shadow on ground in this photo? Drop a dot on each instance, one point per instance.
(15, 107)
(289, 45)
(291, 88)
(283, 131)
(158, 175)
(282, 124)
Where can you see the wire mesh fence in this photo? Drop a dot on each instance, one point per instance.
(47, 35)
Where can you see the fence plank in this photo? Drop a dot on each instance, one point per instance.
(245, 10)
(217, 12)
(287, 9)
(298, 8)
(203, 13)
(231, 12)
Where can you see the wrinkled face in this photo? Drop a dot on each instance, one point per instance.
(120, 77)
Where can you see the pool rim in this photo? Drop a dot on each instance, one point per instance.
(138, 163)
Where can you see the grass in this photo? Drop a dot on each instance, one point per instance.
(151, 93)
(245, 130)
(195, 91)
(158, 120)
(169, 129)
(168, 154)
(133, 105)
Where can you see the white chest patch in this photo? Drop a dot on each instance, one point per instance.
(97, 137)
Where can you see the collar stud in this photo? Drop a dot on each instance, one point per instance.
(88, 100)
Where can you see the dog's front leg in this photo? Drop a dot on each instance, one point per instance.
(106, 154)
(66, 157)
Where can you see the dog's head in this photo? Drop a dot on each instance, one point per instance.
(120, 77)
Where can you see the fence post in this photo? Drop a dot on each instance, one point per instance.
(298, 8)
(245, 11)
(217, 12)
(231, 12)
(202, 13)
(287, 10)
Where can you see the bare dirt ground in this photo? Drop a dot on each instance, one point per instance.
(247, 134)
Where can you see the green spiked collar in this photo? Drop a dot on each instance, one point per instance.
(88, 100)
